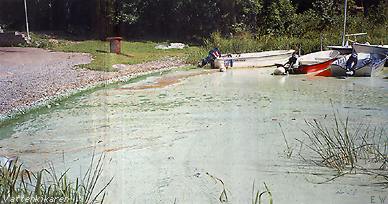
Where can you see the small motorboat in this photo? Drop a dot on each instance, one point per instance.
(375, 49)
(368, 65)
(257, 59)
(315, 62)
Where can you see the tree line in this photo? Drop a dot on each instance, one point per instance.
(188, 19)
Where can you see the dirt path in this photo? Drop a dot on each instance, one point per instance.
(29, 76)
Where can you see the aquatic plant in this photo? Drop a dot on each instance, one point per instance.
(223, 196)
(349, 147)
(257, 196)
(289, 149)
(336, 147)
(18, 185)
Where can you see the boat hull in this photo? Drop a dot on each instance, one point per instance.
(366, 67)
(371, 49)
(260, 59)
(306, 69)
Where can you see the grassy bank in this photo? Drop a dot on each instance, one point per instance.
(132, 52)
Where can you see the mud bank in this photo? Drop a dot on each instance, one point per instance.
(165, 135)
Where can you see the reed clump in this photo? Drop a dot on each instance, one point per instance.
(18, 185)
(348, 147)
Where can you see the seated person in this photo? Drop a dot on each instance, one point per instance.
(351, 63)
(291, 62)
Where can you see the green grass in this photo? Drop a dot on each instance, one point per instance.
(132, 52)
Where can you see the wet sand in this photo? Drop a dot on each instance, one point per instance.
(161, 136)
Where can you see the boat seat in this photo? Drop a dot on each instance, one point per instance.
(322, 58)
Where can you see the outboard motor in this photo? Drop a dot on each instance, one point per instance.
(213, 54)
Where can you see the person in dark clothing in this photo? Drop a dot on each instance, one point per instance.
(291, 62)
(351, 63)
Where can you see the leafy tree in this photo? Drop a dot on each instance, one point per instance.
(324, 11)
(122, 12)
(248, 15)
(276, 16)
(380, 14)
(189, 18)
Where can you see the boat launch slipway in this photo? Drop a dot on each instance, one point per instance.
(257, 59)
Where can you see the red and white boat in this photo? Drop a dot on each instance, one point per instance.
(315, 62)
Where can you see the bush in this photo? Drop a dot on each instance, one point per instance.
(302, 36)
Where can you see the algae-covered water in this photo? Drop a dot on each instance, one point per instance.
(164, 136)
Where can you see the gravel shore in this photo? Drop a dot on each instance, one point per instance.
(30, 77)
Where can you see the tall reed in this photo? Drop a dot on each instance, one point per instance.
(18, 185)
(347, 146)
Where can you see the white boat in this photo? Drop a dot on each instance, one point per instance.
(373, 49)
(368, 65)
(257, 59)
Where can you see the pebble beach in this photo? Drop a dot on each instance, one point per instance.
(30, 77)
